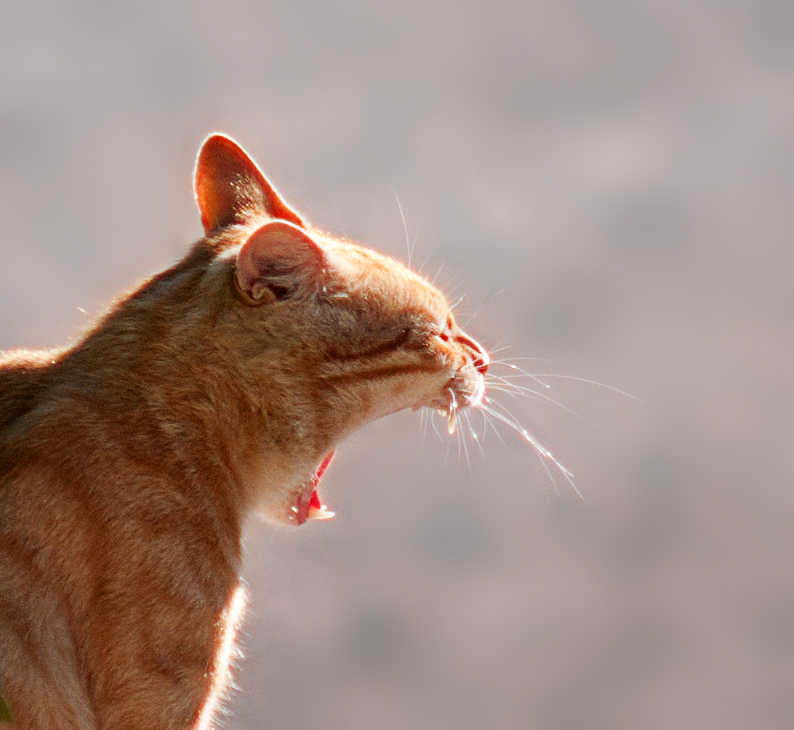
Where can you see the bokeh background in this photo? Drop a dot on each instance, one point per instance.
(609, 186)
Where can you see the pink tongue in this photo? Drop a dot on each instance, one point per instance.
(313, 509)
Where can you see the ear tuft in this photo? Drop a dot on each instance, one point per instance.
(278, 261)
(230, 188)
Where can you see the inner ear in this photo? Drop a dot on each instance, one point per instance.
(278, 261)
(230, 188)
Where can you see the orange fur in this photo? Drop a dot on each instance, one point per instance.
(129, 462)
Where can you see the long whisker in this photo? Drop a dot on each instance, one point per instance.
(486, 417)
(459, 443)
(507, 382)
(537, 376)
(433, 424)
(478, 439)
(512, 392)
(474, 436)
(515, 367)
(540, 449)
(462, 440)
(501, 361)
(515, 389)
(531, 359)
(590, 382)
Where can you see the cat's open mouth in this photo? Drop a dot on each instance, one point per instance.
(308, 505)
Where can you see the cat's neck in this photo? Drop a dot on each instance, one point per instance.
(177, 367)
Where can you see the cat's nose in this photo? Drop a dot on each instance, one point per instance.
(479, 356)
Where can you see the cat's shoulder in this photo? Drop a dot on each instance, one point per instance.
(23, 375)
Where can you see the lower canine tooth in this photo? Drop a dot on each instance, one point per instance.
(452, 420)
(320, 514)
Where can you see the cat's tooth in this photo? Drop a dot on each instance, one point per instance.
(320, 514)
(441, 412)
(452, 420)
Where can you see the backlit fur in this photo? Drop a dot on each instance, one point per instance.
(129, 462)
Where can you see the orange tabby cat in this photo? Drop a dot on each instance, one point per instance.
(129, 462)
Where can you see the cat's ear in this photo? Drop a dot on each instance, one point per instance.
(278, 261)
(230, 188)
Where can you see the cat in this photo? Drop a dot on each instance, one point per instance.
(219, 388)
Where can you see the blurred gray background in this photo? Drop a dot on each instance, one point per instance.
(609, 187)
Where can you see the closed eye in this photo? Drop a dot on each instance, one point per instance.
(389, 346)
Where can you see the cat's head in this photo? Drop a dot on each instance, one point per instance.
(327, 334)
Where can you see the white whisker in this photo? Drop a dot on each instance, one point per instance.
(523, 372)
(405, 225)
(438, 273)
(488, 418)
(423, 418)
(473, 433)
(590, 382)
(433, 424)
(513, 392)
(496, 350)
(521, 359)
(536, 376)
(515, 389)
(462, 440)
(540, 449)
(494, 413)
(424, 263)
